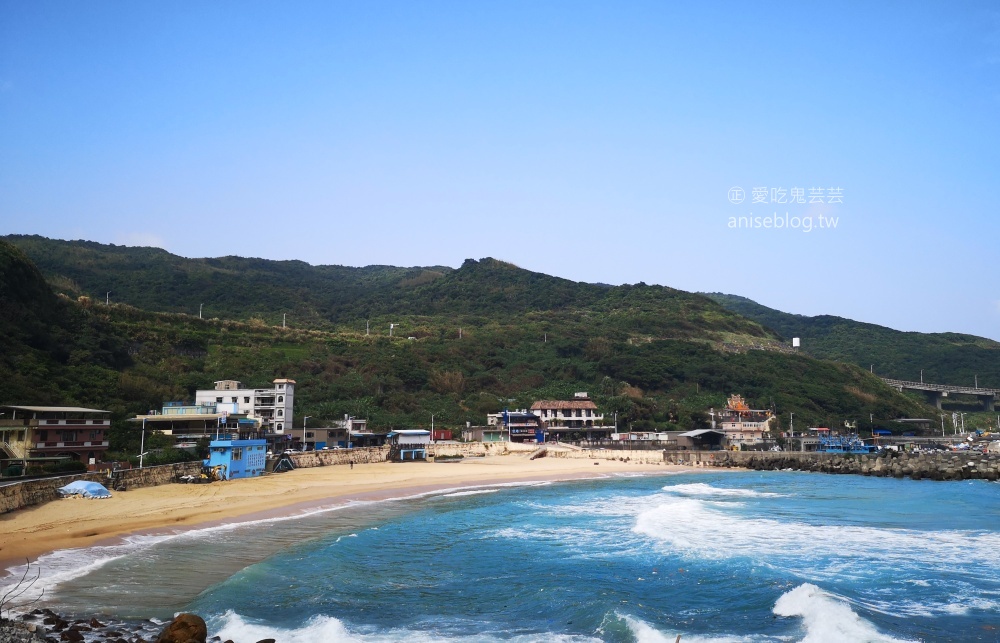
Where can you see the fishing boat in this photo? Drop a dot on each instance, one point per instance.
(842, 443)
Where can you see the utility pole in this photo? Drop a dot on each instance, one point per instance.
(199, 310)
(283, 315)
(107, 299)
(942, 425)
(366, 328)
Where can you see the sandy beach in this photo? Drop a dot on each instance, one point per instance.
(75, 522)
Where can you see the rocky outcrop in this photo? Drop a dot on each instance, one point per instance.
(185, 628)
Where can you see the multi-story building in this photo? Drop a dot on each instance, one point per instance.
(520, 425)
(574, 419)
(38, 434)
(740, 423)
(347, 433)
(189, 423)
(578, 413)
(272, 406)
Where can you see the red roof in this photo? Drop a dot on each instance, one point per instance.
(562, 404)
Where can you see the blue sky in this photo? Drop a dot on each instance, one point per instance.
(594, 141)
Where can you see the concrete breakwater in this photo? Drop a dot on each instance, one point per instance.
(945, 465)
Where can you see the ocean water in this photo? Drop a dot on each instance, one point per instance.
(712, 557)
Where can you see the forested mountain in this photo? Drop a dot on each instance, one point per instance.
(337, 296)
(949, 358)
(468, 342)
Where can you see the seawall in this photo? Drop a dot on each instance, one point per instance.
(380, 454)
(945, 465)
(32, 492)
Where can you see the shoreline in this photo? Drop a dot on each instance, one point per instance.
(77, 523)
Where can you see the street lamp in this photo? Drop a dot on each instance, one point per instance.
(142, 442)
(432, 428)
(304, 431)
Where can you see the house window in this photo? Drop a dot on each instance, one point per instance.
(95, 435)
(280, 427)
(235, 400)
(246, 400)
(218, 399)
(281, 387)
(43, 436)
(309, 434)
(281, 398)
(280, 412)
(237, 454)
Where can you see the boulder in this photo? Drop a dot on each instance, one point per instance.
(185, 628)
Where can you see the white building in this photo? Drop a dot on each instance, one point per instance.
(741, 424)
(272, 406)
(580, 412)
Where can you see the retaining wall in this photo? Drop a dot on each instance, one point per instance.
(155, 476)
(33, 492)
(339, 456)
(638, 457)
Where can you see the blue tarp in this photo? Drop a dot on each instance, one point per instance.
(85, 489)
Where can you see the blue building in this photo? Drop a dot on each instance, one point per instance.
(240, 458)
(408, 442)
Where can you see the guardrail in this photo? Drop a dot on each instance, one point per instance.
(943, 388)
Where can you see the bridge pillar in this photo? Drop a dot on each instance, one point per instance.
(989, 402)
(934, 397)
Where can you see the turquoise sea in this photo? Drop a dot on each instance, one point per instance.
(712, 557)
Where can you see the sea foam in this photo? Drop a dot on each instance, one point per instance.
(327, 629)
(827, 619)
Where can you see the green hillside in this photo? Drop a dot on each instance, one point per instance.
(949, 358)
(338, 297)
(656, 356)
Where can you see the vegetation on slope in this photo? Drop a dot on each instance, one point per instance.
(948, 358)
(334, 297)
(129, 360)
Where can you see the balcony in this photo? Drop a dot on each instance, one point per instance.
(72, 444)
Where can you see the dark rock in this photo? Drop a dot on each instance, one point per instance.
(72, 635)
(185, 628)
(267, 641)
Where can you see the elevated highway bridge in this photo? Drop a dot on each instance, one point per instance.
(935, 392)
